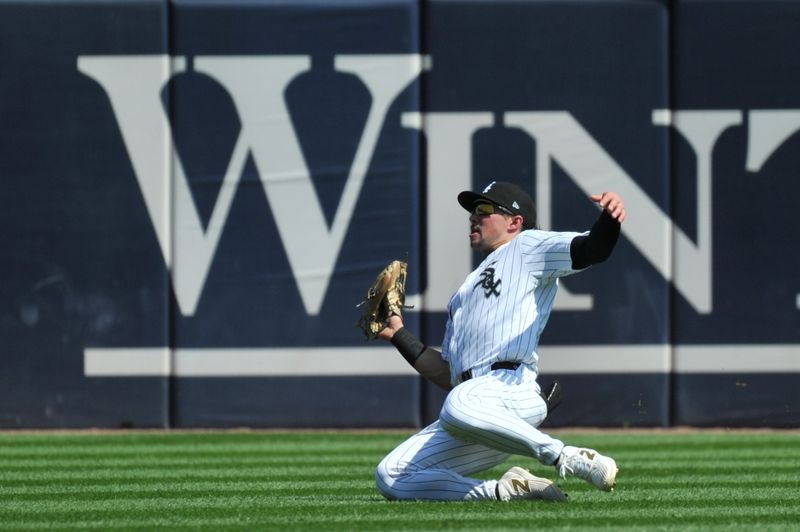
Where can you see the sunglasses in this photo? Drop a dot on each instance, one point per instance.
(489, 208)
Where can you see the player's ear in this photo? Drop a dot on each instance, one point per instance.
(516, 223)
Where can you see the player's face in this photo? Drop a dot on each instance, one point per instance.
(487, 232)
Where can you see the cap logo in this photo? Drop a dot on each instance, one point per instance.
(515, 205)
(489, 187)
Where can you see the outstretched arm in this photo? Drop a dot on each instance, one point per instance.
(598, 244)
(427, 361)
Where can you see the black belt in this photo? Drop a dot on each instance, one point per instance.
(467, 375)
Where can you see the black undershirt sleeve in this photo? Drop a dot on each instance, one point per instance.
(595, 247)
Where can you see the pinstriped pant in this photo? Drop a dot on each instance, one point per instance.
(483, 421)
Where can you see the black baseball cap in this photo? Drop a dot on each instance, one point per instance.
(505, 194)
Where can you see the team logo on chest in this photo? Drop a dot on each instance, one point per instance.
(490, 286)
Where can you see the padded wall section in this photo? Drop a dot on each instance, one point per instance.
(740, 399)
(308, 401)
(196, 194)
(300, 183)
(559, 98)
(80, 263)
(736, 74)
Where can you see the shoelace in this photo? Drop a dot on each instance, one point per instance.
(571, 463)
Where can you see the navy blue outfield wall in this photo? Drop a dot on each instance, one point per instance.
(196, 194)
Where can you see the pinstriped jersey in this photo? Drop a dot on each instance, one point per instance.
(501, 309)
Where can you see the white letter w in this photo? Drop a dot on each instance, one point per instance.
(256, 84)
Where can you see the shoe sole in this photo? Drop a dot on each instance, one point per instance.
(553, 493)
(610, 471)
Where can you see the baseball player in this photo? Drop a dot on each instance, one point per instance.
(489, 359)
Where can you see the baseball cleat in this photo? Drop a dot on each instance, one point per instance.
(589, 465)
(518, 484)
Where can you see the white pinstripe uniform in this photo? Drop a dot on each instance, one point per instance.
(497, 314)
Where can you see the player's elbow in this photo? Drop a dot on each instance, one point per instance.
(585, 253)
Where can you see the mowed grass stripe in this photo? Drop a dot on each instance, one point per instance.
(176, 491)
(363, 504)
(112, 480)
(160, 462)
(754, 466)
(121, 451)
(327, 492)
(527, 515)
(11, 443)
(116, 476)
(287, 442)
(655, 475)
(240, 524)
(268, 454)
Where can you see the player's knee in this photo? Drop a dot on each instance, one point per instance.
(385, 479)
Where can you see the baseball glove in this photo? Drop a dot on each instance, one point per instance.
(385, 298)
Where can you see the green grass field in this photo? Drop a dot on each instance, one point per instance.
(324, 481)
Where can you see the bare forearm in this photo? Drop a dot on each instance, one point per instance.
(433, 367)
(427, 361)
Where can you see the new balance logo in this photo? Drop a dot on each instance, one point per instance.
(520, 486)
